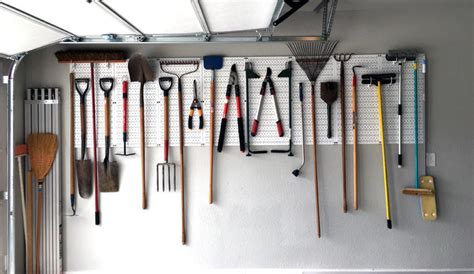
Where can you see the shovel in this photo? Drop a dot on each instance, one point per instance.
(108, 171)
(83, 167)
(329, 95)
(140, 71)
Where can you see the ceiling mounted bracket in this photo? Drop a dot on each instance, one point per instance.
(202, 19)
(294, 5)
(140, 35)
(328, 16)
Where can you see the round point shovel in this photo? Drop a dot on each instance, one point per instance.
(83, 166)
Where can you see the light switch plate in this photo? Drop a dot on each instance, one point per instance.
(430, 159)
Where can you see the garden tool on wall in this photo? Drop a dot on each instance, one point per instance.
(249, 74)
(297, 171)
(400, 57)
(20, 152)
(424, 185)
(42, 149)
(108, 171)
(92, 57)
(354, 136)
(166, 67)
(342, 58)
(233, 82)
(213, 63)
(72, 152)
(329, 96)
(83, 166)
(140, 71)
(124, 119)
(379, 80)
(312, 57)
(286, 73)
(166, 83)
(195, 105)
(268, 80)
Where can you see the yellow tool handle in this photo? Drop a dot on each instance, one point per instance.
(385, 179)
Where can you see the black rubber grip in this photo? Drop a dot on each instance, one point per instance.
(190, 122)
(201, 122)
(97, 218)
(240, 123)
(220, 143)
(399, 159)
(399, 109)
(389, 224)
(124, 136)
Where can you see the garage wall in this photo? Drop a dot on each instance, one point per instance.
(263, 216)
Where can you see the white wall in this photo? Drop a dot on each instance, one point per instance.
(263, 216)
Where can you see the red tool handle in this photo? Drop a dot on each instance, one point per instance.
(240, 121)
(279, 128)
(125, 108)
(253, 132)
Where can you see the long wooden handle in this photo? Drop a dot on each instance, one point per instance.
(22, 192)
(39, 224)
(142, 144)
(29, 219)
(211, 141)
(354, 147)
(107, 116)
(343, 140)
(72, 189)
(316, 190)
(166, 126)
(181, 156)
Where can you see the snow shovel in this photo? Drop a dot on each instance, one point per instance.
(108, 171)
(140, 71)
(83, 166)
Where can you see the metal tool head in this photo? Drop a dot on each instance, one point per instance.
(84, 177)
(342, 57)
(213, 62)
(109, 177)
(139, 69)
(286, 73)
(249, 73)
(233, 77)
(329, 92)
(163, 171)
(268, 74)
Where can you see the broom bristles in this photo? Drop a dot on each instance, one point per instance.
(42, 149)
(312, 56)
(81, 56)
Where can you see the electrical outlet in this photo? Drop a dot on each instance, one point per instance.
(430, 159)
(5, 79)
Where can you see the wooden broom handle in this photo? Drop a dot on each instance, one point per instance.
(39, 223)
(343, 138)
(354, 134)
(316, 190)
(211, 140)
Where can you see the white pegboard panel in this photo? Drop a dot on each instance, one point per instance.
(267, 134)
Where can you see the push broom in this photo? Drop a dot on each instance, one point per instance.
(92, 57)
(312, 57)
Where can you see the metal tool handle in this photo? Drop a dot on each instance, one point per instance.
(211, 138)
(142, 144)
(275, 105)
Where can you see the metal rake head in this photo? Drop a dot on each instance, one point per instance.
(165, 170)
(312, 56)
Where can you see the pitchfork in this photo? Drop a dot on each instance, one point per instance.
(170, 166)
